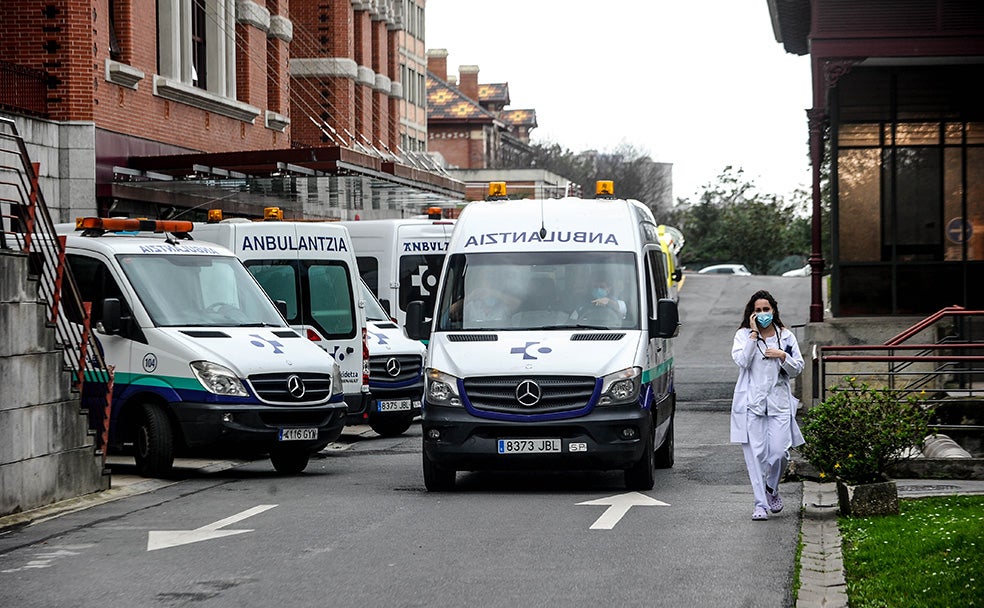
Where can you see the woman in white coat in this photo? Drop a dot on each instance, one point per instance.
(763, 410)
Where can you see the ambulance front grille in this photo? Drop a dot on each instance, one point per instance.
(407, 367)
(276, 388)
(557, 393)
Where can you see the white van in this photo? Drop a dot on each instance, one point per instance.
(202, 357)
(311, 267)
(527, 365)
(396, 365)
(400, 259)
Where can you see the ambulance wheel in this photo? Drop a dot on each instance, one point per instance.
(436, 477)
(154, 442)
(390, 426)
(290, 462)
(642, 475)
(664, 455)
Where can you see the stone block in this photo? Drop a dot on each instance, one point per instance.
(25, 329)
(34, 378)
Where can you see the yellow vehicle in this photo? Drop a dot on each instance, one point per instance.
(671, 242)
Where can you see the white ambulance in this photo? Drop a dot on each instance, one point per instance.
(202, 357)
(396, 365)
(550, 347)
(401, 259)
(311, 267)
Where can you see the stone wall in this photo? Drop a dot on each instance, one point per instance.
(47, 453)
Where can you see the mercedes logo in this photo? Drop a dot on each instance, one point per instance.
(528, 393)
(393, 367)
(295, 386)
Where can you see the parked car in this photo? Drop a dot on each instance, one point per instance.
(798, 272)
(736, 269)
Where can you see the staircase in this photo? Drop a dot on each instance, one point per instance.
(48, 453)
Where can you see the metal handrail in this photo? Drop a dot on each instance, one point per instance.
(26, 226)
(931, 369)
(929, 321)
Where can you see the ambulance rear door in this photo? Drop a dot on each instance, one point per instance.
(420, 252)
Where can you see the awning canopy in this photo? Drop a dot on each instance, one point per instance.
(307, 183)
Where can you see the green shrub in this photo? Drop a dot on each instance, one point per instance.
(857, 432)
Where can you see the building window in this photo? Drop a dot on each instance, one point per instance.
(197, 44)
(199, 66)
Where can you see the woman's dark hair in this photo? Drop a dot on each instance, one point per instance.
(750, 308)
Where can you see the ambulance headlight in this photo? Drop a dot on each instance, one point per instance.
(218, 379)
(336, 379)
(621, 387)
(441, 389)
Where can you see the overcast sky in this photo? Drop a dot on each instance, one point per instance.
(702, 84)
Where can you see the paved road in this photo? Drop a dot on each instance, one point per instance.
(358, 528)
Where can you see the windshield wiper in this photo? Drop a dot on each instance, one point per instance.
(586, 326)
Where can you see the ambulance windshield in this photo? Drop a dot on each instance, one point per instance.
(199, 290)
(374, 310)
(540, 290)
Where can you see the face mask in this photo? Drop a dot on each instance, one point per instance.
(599, 292)
(764, 319)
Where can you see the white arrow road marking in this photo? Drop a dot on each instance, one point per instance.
(162, 539)
(620, 505)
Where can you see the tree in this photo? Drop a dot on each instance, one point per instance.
(635, 174)
(734, 222)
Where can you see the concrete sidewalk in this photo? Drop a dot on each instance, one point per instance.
(822, 582)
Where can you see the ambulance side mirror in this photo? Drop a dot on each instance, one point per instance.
(417, 326)
(386, 307)
(282, 307)
(667, 321)
(111, 316)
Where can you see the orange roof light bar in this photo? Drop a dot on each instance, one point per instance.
(497, 191)
(605, 188)
(273, 214)
(131, 225)
(214, 216)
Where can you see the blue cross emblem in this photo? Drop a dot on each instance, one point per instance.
(524, 350)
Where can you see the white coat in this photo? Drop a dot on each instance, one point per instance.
(760, 385)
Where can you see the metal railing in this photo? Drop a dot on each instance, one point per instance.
(23, 90)
(26, 227)
(951, 365)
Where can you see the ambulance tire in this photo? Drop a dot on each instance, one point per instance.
(390, 426)
(290, 462)
(664, 455)
(154, 447)
(642, 475)
(436, 477)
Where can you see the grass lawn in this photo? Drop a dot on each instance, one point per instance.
(931, 555)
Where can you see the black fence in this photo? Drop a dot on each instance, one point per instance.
(23, 90)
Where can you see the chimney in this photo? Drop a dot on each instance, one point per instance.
(468, 81)
(437, 63)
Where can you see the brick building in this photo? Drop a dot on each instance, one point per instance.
(152, 108)
(477, 136)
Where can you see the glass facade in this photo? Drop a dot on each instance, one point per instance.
(909, 190)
